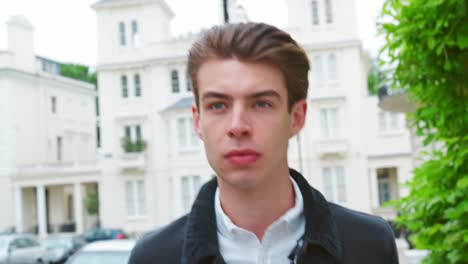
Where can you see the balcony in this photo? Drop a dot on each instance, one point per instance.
(395, 101)
(133, 161)
(60, 168)
(332, 147)
(388, 213)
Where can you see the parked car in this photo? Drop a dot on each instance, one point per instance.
(111, 251)
(97, 234)
(61, 246)
(21, 248)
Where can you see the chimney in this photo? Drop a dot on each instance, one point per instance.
(20, 43)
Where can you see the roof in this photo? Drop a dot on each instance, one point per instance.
(110, 245)
(113, 3)
(184, 103)
(20, 21)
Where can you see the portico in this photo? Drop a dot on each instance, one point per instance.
(51, 201)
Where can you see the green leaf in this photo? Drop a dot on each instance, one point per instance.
(462, 41)
(463, 183)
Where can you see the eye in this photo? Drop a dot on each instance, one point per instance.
(217, 106)
(262, 104)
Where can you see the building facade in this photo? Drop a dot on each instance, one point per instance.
(154, 164)
(47, 140)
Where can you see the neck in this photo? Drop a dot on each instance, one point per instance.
(257, 208)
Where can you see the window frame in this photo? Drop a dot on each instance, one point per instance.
(137, 84)
(124, 86)
(135, 195)
(175, 81)
(334, 189)
(122, 34)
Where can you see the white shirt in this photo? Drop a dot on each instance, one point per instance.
(240, 246)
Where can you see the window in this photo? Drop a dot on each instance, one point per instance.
(329, 64)
(133, 132)
(317, 68)
(315, 12)
(332, 70)
(128, 133)
(122, 34)
(187, 138)
(334, 184)
(138, 131)
(190, 186)
(328, 11)
(124, 86)
(132, 140)
(329, 124)
(135, 35)
(388, 122)
(53, 104)
(189, 82)
(59, 149)
(135, 198)
(175, 81)
(137, 82)
(384, 186)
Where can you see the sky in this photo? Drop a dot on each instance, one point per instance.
(65, 30)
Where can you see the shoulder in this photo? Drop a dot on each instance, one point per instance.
(346, 217)
(360, 231)
(161, 245)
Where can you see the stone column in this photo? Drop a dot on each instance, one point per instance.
(78, 202)
(41, 210)
(374, 187)
(18, 209)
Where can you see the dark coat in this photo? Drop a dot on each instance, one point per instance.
(333, 234)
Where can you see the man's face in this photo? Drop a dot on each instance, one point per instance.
(244, 122)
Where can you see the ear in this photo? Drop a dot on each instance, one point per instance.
(196, 120)
(298, 116)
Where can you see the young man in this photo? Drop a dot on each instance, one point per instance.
(250, 85)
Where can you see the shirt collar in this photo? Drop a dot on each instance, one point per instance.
(201, 240)
(291, 218)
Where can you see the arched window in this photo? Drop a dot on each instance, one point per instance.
(135, 35)
(124, 86)
(175, 81)
(317, 68)
(122, 34)
(328, 11)
(332, 67)
(137, 83)
(315, 12)
(189, 81)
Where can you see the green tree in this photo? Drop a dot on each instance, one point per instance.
(92, 203)
(377, 78)
(78, 72)
(427, 43)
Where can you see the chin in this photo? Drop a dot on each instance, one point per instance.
(242, 179)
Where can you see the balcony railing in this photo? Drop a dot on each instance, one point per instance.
(133, 161)
(57, 168)
(395, 100)
(332, 147)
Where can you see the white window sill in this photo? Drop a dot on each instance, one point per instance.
(395, 133)
(132, 100)
(188, 150)
(137, 218)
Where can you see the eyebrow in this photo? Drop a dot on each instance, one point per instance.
(267, 93)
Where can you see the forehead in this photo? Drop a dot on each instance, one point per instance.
(238, 78)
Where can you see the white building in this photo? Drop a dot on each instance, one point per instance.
(350, 150)
(47, 140)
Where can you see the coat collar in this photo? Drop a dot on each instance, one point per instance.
(201, 240)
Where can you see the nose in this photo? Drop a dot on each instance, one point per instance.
(240, 124)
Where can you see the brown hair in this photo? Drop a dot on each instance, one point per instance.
(253, 42)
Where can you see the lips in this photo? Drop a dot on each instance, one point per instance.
(242, 157)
